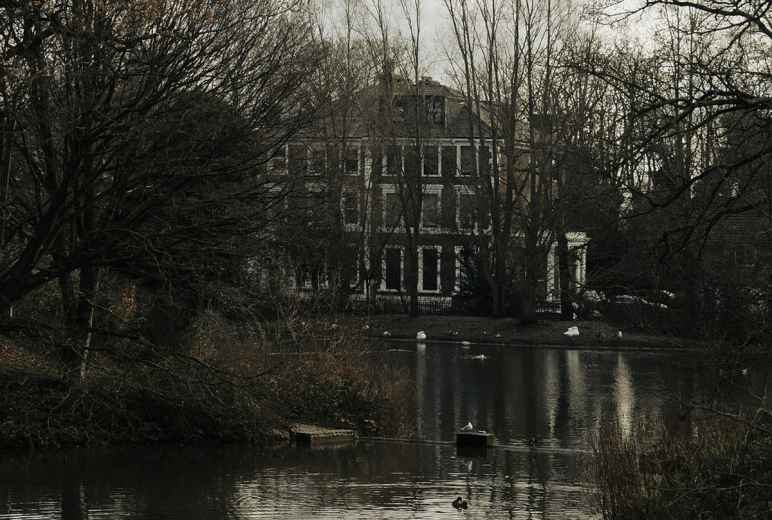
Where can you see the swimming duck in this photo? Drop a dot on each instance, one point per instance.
(460, 503)
(421, 335)
(468, 427)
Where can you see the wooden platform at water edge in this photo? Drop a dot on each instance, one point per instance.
(312, 435)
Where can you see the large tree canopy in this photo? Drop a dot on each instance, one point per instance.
(112, 111)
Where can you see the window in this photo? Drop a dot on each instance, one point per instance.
(485, 160)
(431, 166)
(430, 210)
(412, 161)
(466, 260)
(467, 209)
(393, 210)
(435, 109)
(297, 159)
(310, 276)
(377, 162)
(317, 161)
(394, 159)
(351, 265)
(350, 208)
(449, 164)
(279, 161)
(467, 160)
(351, 161)
(430, 269)
(393, 269)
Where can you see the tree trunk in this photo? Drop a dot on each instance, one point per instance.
(411, 276)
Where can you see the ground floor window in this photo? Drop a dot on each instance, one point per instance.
(393, 269)
(429, 263)
(466, 265)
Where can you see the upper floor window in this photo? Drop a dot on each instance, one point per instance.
(316, 167)
(394, 159)
(435, 109)
(431, 163)
(279, 160)
(449, 161)
(430, 210)
(350, 208)
(297, 159)
(485, 160)
(351, 161)
(467, 160)
(412, 161)
(467, 209)
(392, 209)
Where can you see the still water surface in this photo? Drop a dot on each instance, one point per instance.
(541, 404)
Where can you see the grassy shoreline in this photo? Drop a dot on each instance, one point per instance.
(508, 331)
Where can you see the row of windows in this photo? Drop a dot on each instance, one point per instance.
(393, 270)
(435, 161)
(431, 214)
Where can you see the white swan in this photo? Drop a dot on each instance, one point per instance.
(572, 331)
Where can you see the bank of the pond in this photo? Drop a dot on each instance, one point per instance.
(508, 331)
(235, 396)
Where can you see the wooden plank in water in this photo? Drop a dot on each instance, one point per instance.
(309, 435)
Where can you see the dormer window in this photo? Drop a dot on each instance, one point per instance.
(435, 109)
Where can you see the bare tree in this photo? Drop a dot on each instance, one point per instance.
(92, 178)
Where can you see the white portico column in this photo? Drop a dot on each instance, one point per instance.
(552, 290)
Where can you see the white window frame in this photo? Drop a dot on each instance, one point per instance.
(438, 146)
(385, 224)
(306, 160)
(344, 150)
(401, 269)
(386, 167)
(465, 191)
(432, 189)
(310, 160)
(280, 171)
(421, 249)
(351, 226)
(447, 145)
(354, 282)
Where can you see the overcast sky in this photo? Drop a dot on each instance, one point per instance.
(436, 32)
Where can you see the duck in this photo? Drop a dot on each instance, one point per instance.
(460, 503)
(421, 335)
(468, 427)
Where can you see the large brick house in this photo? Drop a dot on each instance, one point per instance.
(358, 169)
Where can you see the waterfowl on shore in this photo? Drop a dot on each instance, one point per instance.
(460, 503)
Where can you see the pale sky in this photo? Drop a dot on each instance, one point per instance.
(436, 31)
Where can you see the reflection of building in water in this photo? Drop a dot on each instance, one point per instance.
(625, 395)
(556, 397)
(420, 389)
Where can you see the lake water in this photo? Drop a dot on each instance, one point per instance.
(541, 404)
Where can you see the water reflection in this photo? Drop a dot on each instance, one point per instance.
(551, 398)
(370, 480)
(541, 404)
